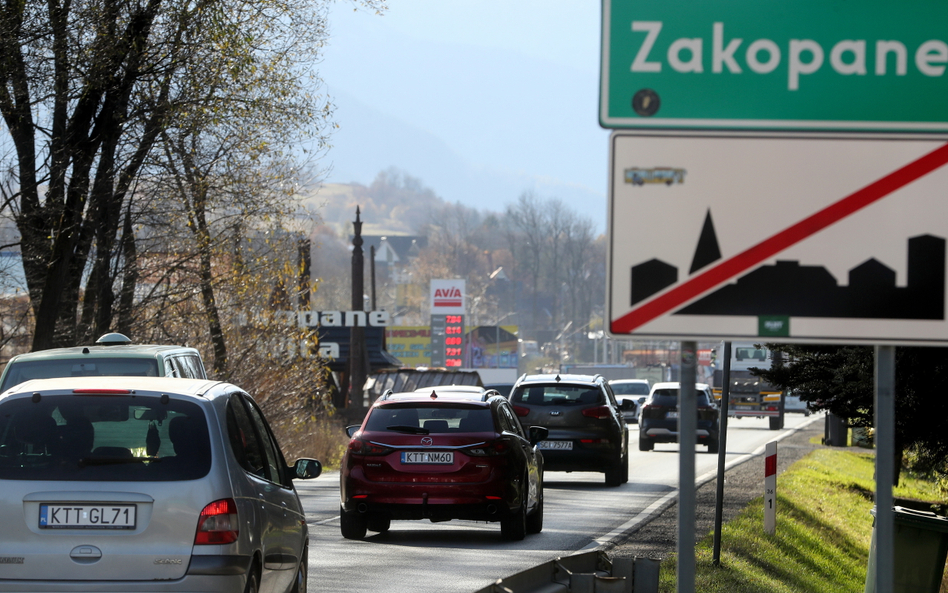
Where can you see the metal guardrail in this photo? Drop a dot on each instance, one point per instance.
(588, 572)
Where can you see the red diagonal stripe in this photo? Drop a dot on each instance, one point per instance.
(790, 236)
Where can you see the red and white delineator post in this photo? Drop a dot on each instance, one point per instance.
(770, 488)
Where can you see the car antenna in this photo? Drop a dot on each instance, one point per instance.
(433, 394)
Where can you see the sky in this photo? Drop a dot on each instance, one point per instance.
(479, 100)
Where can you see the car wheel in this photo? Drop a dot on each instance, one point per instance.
(646, 444)
(625, 468)
(514, 526)
(379, 524)
(301, 574)
(352, 525)
(251, 586)
(535, 520)
(713, 445)
(614, 474)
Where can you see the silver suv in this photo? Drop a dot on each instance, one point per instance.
(146, 484)
(114, 354)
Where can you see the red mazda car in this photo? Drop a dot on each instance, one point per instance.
(421, 456)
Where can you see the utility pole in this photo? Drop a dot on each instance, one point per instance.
(357, 350)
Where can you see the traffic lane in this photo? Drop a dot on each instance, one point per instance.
(319, 497)
(462, 556)
(580, 511)
(422, 557)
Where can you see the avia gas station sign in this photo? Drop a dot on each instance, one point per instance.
(812, 65)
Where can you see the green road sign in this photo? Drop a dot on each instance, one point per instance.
(831, 65)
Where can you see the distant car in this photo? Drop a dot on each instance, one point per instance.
(114, 354)
(659, 421)
(417, 456)
(502, 388)
(625, 389)
(146, 484)
(587, 430)
(793, 403)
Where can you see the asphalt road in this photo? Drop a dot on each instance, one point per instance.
(462, 556)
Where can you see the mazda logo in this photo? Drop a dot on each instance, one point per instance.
(555, 413)
(427, 441)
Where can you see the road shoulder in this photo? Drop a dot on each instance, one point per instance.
(742, 484)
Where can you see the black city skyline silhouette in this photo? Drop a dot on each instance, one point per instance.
(787, 288)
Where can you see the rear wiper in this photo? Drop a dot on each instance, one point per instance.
(408, 429)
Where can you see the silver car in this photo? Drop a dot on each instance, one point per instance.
(131, 484)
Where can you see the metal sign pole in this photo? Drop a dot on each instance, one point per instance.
(687, 440)
(885, 466)
(722, 451)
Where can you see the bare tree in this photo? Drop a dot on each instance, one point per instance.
(526, 233)
(87, 90)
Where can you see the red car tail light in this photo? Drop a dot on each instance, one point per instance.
(217, 523)
(360, 447)
(490, 449)
(599, 412)
(521, 411)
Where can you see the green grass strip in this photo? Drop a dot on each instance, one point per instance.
(824, 528)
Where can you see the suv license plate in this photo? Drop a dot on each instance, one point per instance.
(445, 458)
(87, 516)
(671, 414)
(565, 445)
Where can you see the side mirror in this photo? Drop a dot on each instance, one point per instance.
(351, 430)
(307, 469)
(628, 404)
(538, 433)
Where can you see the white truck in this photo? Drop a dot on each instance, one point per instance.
(749, 395)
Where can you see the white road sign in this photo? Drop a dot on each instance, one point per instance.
(804, 239)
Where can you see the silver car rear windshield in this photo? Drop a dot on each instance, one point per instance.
(430, 420)
(556, 395)
(630, 388)
(21, 371)
(103, 438)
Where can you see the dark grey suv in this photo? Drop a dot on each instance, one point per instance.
(587, 431)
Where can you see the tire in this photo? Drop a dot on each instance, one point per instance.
(535, 521)
(776, 423)
(514, 526)
(625, 469)
(379, 524)
(352, 525)
(252, 586)
(646, 444)
(614, 473)
(300, 585)
(713, 445)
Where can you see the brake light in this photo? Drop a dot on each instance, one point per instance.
(360, 447)
(217, 523)
(599, 412)
(521, 411)
(491, 449)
